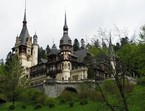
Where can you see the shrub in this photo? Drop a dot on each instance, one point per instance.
(95, 95)
(141, 81)
(3, 98)
(85, 90)
(83, 94)
(51, 105)
(128, 87)
(23, 107)
(33, 96)
(41, 99)
(37, 106)
(110, 87)
(83, 102)
(62, 101)
(71, 103)
(67, 96)
(50, 102)
(11, 107)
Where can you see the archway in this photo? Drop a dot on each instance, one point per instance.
(71, 89)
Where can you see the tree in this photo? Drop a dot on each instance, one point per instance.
(76, 45)
(114, 68)
(10, 78)
(41, 53)
(8, 58)
(104, 44)
(97, 43)
(117, 47)
(47, 50)
(124, 41)
(142, 33)
(82, 44)
(1, 61)
(132, 57)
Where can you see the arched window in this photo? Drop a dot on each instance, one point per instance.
(65, 66)
(69, 66)
(62, 66)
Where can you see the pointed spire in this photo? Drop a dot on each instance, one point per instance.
(54, 46)
(24, 32)
(110, 41)
(65, 20)
(25, 21)
(35, 33)
(111, 51)
(53, 40)
(65, 28)
(65, 40)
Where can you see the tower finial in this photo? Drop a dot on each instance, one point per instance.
(25, 4)
(65, 28)
(65, 20)
(53, 40)
(24, 21)
(35, 32)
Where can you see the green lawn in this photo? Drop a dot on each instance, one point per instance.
(91, 106)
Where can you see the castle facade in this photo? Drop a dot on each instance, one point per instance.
(62, 64)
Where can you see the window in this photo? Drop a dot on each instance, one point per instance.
(62, 66)
(68, 65)
(65, 66)
(28, 50)
(54, 68)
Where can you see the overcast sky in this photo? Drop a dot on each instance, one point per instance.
(84, 18)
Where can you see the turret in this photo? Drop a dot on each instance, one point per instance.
(65, 41)
(65, 52)
(35, 39)
(35, 50)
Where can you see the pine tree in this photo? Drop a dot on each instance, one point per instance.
(76, 45)
(41, 53)
(97, 43)
(82, 44)
(47, 50)
(10, 78)
(104, 44)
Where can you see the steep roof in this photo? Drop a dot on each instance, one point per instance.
(42, 61)
(81, 54)
(54, 50)
(65, 40)
(24, 32)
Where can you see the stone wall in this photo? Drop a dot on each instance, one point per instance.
(54, 90)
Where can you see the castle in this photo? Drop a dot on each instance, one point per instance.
(62, 64)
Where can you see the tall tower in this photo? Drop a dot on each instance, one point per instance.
(65, 52)
(26, 50)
